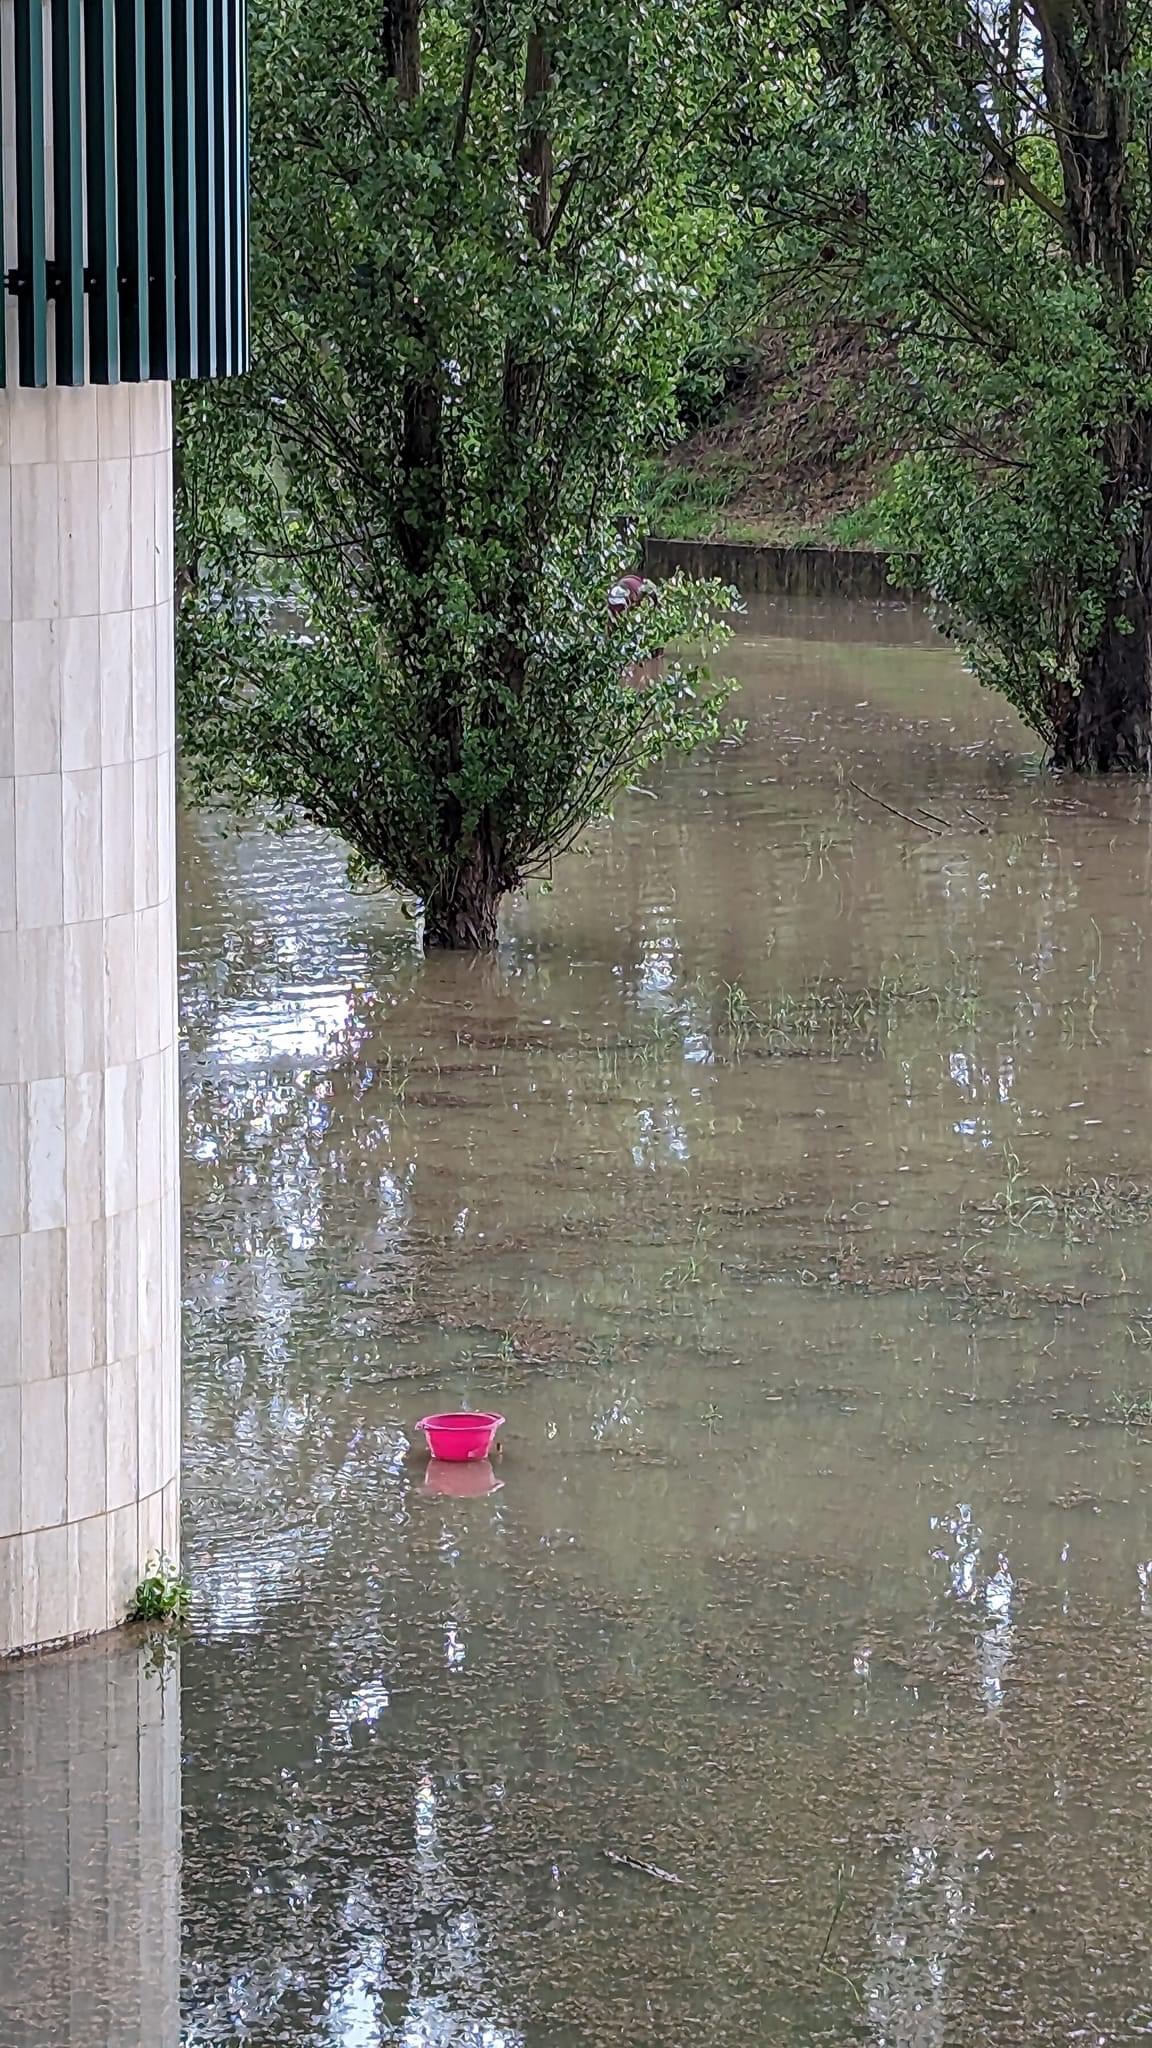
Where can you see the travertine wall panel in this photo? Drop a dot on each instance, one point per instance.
(89, 1279)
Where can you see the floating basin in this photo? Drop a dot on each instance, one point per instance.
(460, 1437)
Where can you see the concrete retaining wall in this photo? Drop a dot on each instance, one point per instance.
(758, 570)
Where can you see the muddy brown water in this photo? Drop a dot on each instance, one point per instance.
(786, 1182)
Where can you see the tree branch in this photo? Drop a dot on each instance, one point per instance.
(476, 36)
(979, 123)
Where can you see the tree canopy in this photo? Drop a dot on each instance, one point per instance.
(495, 242)
(972, 179)
(485, 245)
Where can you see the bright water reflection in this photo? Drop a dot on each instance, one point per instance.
(786, 1183)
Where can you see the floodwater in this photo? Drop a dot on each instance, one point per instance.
(786, 1184)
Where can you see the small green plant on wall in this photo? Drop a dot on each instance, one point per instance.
(163, 1594)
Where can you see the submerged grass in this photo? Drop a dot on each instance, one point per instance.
(1131, 1411)
(1075, 1209)
(827, 1016)
(823, 1018)
(960, 1277)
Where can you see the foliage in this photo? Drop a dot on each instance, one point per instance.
(971, 178)
(682, 503)
(485, 249)
(871, 525)
(163, 1594)
(1002, 512)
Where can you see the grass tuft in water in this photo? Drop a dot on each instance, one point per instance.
(826, 1016)
(959, 1277)
(687, 1272)
(1131, 1411)
(1077, 1208)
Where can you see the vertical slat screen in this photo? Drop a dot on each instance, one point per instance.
(244, 328)
(129, 124)
(31, 282)
(226, 298)
(132, 188)
(161, 282)
(186, 187)
(68, 191)
(239, 184)
(100, 189)
(221, 143)
(206, 162)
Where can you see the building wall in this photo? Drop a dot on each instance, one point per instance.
(89, 1256)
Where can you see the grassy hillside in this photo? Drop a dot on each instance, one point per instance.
(788, 453)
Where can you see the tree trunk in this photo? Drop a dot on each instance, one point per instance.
(1089, 80)
(186, 566)
(400, 37)
(536, 156)
(1109, 727)
(1106, 727)
(461, 914)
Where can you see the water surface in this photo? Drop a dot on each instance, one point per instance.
(785, 1182)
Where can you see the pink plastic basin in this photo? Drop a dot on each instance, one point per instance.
(460, 1438)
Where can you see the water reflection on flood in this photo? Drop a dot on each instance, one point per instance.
(784, 1183)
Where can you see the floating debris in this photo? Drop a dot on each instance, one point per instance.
(647, 1869)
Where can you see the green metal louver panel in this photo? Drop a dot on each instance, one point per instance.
(66, 277)
(126, 236)
(30, 279)
(208, 180)
(103, 247)
(186, 188)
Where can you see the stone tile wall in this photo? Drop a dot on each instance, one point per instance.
(89, 1254)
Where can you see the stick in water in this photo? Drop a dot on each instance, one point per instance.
(647, 1869)
(874, 799)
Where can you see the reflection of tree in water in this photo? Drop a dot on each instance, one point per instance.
(333, 1905)
(1000, 1865)
(910, 1997)
(375, 1828)
(329, 1209)
(918, 1931)
(992, 1591)
(425, 1108)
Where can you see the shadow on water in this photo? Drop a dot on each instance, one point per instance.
(785, 1182)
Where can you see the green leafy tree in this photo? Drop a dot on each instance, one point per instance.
(972, 179)
(485, 246)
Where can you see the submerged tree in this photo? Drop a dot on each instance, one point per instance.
(973, 178)
(482, 255)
